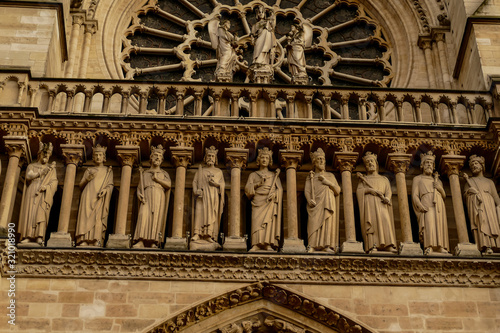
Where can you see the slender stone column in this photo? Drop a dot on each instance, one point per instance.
(345, 107)
(442, 58)
(73, 156)
(235, 111)
(179, 110)
(73, 46)
(291, 159)
(236, 159)
(290, 107)
(181, 157)
(326, 107)
(398, 163)
(451, 165)
(437, 65)
(425, 44)
(345, 162)
(127, 156)
(90, 29)
(17, 147)
(362, 109)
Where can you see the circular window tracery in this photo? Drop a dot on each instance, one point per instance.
(169, 40)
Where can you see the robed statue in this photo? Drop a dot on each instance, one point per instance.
(322, 194)
(97, 187)
(428, 203)
(154, 194)
(225, 44)
(38, 196)
(483, 207)
(296, 43)
(264, 189)
(263, 38)
(375, 207)
(208, 190)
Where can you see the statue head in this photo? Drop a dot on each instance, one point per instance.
(477, 164)
(211, 156)
(225, 24)
(318, 158)
(264, 153)
(370, 161)
(44, 152)
(156, 155)
(99, 152)
(297, 26)
(427, 162)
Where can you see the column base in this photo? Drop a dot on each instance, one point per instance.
(203, 245)
(467, 250)
(60, 239)
(117, 241)
(352, 247)
(410, 249)
(176, 244)
(234, 244)
(292, 245)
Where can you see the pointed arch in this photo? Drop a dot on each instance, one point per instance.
(263, 304)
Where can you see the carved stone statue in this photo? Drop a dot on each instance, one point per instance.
(295, 54)
(208, 189)
(225, 44)
(428, 203)
(374, 198)
(264, 189)
(38, 194)
(483, 206)
(263, 38)
(97, 186)
(322, 195)
(154, 194)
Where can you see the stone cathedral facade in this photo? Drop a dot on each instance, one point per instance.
(250, 166)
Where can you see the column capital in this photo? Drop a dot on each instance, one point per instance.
(345, 161)
(182, 156)
(291, 158)
(397, 162)
(18, 146)
(73, 154)
(128, 155)
(236, 157)
(451, 164)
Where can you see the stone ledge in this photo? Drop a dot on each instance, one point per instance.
(279, 268)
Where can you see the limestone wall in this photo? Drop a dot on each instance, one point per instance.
(91, 305)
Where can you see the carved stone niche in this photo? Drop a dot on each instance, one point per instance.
(264, 322)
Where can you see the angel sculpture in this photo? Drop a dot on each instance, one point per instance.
(299, 37)
(225, 43)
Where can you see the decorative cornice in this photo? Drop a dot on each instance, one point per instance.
(338, 269)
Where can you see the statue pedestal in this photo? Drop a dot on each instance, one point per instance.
(300, 79)
(235, 244)
(201, 245)
(410, 249)
(293, 246)
(176, 244)
(118, 241)
(467, 250)
(60, 239)
(352, 247)
(261, 74)
(224, 77)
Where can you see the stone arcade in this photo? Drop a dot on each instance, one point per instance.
(251, 166)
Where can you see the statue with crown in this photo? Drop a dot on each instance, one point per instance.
(97, 186)
(483, 206)
(428, 197)
(38, 196)
(208, 203)
(154, 195)
(375, 208)
(322, 194)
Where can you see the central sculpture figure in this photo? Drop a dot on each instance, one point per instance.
(264, 43)
(264, 189)
(208, 189)
(374, 198)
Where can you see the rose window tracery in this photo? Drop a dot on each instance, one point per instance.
(172, 40)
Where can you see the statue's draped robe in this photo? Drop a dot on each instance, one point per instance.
(323, 222)
(296, 56)
(483, 212)
(377, 220)
(208, 209)
(264, 42)
(152, 215)
(266, 214)
(226, 55)
(433, 225)
(93, 212)
(36, 204)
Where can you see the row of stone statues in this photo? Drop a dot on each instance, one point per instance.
(263, 39)
(265, 191)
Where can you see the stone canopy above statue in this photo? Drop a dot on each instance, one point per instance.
(321, 43)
